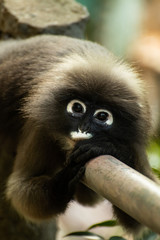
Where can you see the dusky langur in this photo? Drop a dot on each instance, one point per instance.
(64, 101)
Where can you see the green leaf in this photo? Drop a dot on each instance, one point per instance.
(156, 171)
(149, 236)
(87, 235)
(117, 238)
(109, 223)
(154, 154)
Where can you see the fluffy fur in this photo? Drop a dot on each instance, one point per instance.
(39, 76)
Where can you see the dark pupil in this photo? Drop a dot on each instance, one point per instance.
(77, 107)
(102, 116)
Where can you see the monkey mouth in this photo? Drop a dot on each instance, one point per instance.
(79, 135)
(70, 142)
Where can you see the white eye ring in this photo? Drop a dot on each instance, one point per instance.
(109, 119)
(78, 112)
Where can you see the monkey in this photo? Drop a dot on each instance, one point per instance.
(63, 102)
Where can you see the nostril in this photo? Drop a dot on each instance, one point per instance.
(84, 128)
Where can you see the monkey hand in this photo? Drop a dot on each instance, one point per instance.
(86, 150)
(66, 180)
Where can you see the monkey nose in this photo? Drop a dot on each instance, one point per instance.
(84, 128)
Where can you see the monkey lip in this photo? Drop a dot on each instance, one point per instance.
(79, 135)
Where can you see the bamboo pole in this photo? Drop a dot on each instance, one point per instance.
(126, 188)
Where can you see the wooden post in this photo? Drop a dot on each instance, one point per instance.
(126, 188)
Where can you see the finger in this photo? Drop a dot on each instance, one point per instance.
(76, 153)
(72, 184)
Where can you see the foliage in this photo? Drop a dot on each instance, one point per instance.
(154, 156)
(111, 223)
(86, 234)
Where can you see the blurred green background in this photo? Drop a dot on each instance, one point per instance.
(114, 23)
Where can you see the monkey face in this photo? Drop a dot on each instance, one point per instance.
(88, 119)
(84, 118)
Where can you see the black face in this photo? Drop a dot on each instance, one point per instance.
(77, 116)
(87, 119)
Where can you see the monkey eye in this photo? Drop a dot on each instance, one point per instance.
(76, 108)
(103, 116)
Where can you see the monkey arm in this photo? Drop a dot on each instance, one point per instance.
(38, 188)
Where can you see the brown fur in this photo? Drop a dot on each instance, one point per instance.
(37, 76)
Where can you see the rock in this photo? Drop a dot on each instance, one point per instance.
(25, 18)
